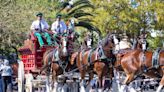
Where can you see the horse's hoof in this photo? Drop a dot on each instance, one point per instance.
(131, 89)
(82, 89)
(100, 90)
(123, 88)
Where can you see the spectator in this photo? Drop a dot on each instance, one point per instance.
(6, 76)
(1, 86)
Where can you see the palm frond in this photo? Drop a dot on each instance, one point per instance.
(85, 19)
(62, 6)
(73, 10)
(79, 2)
(88, 26)
(81, 14)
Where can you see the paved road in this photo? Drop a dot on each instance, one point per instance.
(71, 87)
(94, 90)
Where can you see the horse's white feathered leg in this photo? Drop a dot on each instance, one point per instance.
(159, 88)
(65, 88)
(100, 90)
(116, 82)
(123, 88)
(82, 88)
(131, 89)
(55, 87)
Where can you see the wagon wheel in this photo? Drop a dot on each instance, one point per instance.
(20, 76)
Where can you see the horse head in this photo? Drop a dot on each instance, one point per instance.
(106, 47)
(64, 43)
(109, 42)
(89, 42)
(142, 44)
(116, 43)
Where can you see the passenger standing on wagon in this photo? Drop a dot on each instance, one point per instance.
(58, 27)
(40, 28)
(6, 76)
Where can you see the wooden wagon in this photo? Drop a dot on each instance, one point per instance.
(31, 55)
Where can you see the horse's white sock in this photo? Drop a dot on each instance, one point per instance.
(159, 88)
(55, 87)
(82, 89)
(100, 90)
(131, 89)
(123, 88)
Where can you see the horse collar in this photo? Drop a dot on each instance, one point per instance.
(89, 56)
(155, 58)
(101, 53)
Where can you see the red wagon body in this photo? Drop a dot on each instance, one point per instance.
(32, 55)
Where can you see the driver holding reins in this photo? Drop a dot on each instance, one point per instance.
(58, 27)
(40, 28)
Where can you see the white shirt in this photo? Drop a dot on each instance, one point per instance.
(58, 27)
(124, 44)
(35, 25)
(6, 70)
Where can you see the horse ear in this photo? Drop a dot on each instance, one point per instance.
(67, 23)
(119, 39)
(110, 34)
(112, 41)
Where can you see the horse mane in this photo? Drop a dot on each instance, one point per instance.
(138, 44)
(135, 43)
(105, 41)
(84, 43)
(46, 54)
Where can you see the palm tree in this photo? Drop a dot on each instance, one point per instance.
(77, 9)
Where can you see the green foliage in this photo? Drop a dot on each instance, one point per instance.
(155, 42)
(119, 16)
(17, 15)
(16, 18)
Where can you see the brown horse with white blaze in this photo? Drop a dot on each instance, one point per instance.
(137, 59)
(95, 60)
(56, 60)
(133, 63)
(103, 66)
